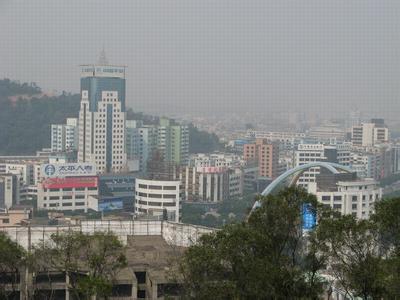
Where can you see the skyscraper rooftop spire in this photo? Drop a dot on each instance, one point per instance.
(102, 58)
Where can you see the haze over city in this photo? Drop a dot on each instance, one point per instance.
(199, 149)
(215, 57)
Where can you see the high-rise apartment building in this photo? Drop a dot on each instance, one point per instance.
(370, 134)
(267, 156)
(140, 142)
(102, 117)
(169, 140)
(64, 137)
(179, 144)
(173, 141)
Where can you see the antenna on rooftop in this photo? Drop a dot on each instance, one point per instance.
(103, 58)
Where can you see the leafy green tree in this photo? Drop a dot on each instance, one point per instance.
(387, 220)
(355, 260)
(90, 262)
(12, 261)
(104, 255)
(264, 258)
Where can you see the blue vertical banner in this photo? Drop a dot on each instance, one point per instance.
(309, 216)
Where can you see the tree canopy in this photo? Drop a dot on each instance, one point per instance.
(202, 141)
(26, 123)
(271, 257)
(263, 258)
(90, 261)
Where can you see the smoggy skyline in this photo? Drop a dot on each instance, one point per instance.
(209, 57)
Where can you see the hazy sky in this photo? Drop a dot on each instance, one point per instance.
(204, 56)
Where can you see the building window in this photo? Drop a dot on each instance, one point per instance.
(6, 221)
(155, 195)
(155, 187)
(169, 196)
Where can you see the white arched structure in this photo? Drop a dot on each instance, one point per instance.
(296, 172)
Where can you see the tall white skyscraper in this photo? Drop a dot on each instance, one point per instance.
(102, 117)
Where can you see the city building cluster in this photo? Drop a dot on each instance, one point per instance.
(99, 161)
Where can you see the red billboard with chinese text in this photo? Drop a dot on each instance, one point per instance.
(70, 182)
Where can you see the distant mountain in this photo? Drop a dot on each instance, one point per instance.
(26, 115)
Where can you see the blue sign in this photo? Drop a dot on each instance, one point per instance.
(49, 170)
(111, 205)
(309, 216)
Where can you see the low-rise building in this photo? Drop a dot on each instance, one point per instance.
(14, 216)
(205, 184)
(116, 191)
(71, 187)
(347, 194)
(68, 194)
(158, 198)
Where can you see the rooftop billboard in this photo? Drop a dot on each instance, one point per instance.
(68, 170)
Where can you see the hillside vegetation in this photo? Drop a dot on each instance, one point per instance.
(25, 123)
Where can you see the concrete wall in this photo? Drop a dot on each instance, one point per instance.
(177, 234)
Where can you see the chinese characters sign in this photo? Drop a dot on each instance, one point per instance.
(68, 170)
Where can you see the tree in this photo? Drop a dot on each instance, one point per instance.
(353, 249)
(264, 258)
(12, 261)
(387, 220)
(105, 256)
(90, 262)
(202, 141)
